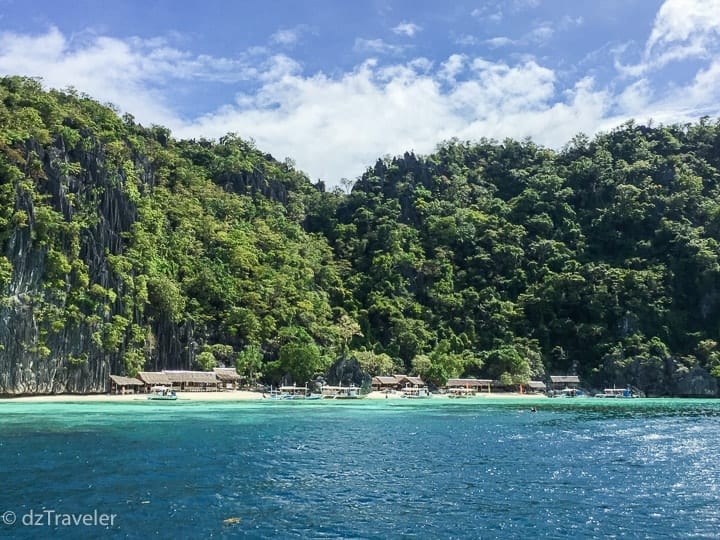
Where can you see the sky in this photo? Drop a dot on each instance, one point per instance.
(335, 84)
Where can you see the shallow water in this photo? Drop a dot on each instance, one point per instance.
(366, 469)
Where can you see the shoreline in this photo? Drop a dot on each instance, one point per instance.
(234, 395)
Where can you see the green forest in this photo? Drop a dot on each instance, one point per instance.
(124, 249)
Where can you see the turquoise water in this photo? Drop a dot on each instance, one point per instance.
(365, 469)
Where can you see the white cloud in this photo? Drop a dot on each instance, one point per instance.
(635, 97)
(407, 28)
(525, 4)
(702, 93)
(336, 126)
(376, 46)
(286, 36)
(685, 22)
(107, 69)
(541, 34)
(568, 21)
(496, 17)
(682, 29)
(492, 13)
(452, 67)
(500, 41)
(494, 10)
(466, 40)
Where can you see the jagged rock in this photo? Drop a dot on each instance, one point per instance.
(35, 356)
(695, 382)
(347, 371)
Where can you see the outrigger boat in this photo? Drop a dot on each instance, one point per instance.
(292, 393)
(617, 393)
(162, 393)
(566, 393)
(458, 393)
(342, 392)
(416, 392)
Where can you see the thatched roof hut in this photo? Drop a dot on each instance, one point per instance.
(120, 384)
(125, 381)
(191, 377)
(228, 377)
(380, 382)
(569, 381)
(468, 383)
(154, 378)
(193, 380)
(407, 380)
(227, 374)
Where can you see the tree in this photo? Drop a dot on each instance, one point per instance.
(375, 364)
(249, 362)
(347, 328)
(206, 361)
(301, 361)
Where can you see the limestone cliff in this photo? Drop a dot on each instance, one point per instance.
(108, 236)
(41, 349)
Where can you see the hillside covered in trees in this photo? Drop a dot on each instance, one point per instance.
(123, 249)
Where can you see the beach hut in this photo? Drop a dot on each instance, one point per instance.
(469, 385)
(404, 381)
(229, 378)
(153, 378)
(384, 383)
(124, 385)
(560, 382)
(193, 381)
(536, 387)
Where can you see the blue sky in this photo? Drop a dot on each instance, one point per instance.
(335, 84)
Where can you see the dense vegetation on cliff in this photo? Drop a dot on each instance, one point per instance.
(123, 249)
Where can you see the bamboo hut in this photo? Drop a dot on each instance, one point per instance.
(124, 385)
(560, 382)
(228, 378)
(464, 387)
(386, 382)
(193, 381)
(153, 378)
(404, 381)
(536, 386)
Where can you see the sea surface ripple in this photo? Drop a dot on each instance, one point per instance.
(437, 468)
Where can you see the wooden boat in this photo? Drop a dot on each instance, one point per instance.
(416, 392)
(566, 393)
(274, 395)
(342, 392)
(622, 393)
(162, 393)
(292, 393)
(460, 393)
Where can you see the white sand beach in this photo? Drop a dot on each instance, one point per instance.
(235, 395)
(478, 396)
(192, 396)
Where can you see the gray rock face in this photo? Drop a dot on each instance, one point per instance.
(42, 350)
(346, 371)
(35, 356)
(40, 353)
(67, 362)
(696, 382)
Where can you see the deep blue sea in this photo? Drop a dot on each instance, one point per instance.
(581, 468)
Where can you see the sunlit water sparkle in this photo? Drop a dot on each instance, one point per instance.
(367, 469)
